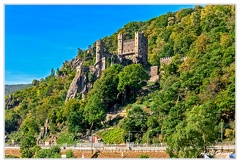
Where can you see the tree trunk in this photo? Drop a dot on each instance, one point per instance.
(91, 128)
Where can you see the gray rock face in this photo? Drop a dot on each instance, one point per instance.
(79, 84)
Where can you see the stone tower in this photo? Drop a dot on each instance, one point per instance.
(135, 49)
(137, 44)
(141, 47)
(120, 43)
(99, 52)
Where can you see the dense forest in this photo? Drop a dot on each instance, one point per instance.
(192, 107)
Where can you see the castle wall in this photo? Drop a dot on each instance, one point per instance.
(128, 46)
(134, 49)
(167, 60)
(154, 73)
(104, 64)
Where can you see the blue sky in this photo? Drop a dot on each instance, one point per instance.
(41, 37)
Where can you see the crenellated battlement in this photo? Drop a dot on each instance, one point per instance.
(167, 60)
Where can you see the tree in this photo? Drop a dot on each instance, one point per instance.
(94, 110)
(58, 72)
(11, 121)
(53, 152)
(26, 143)
(130, 78)
(35, 82)
(135, 121)
(193, 135)
(106, 86)
(52, 72)
(29, 130)
(72, 105)
(76, 122)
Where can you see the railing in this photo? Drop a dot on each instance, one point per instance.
(127, 146)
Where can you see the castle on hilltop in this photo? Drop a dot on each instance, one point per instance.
(130, 51)
(135, 49)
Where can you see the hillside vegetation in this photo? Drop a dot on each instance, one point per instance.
(192, 107)
(15, 87)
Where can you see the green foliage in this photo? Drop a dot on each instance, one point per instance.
(11, 121)
(94, 110)
(135, 123)
(68, 138)
(112, 136)
(53, 152)
(27, 142)
(106, 86)
(11, 156)
(194, 96)
(52, 72)
(70, 154)
(72, 105)
(182, 13)
(144, 156)
(136, 120)
(76, 122)
(199, 132)
(130, 78)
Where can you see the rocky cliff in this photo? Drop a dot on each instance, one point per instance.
(80, 84)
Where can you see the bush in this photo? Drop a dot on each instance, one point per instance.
(70, 154)
(66, 138)
(11, 156)
(144, 156)
(53, 152)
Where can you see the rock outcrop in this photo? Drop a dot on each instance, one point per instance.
(10, 102)
(80, 84)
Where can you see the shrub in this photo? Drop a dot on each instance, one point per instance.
(144, 156)
(70, 154)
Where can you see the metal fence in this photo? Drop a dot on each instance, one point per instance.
(124, 147)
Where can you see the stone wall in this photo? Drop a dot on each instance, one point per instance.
(166, 60)
(134, 49)
(154, 74)
(128, 46)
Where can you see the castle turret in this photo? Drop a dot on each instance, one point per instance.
(99, 53)
(120, 43)
(137, 43)
(99, 50)
(141, 47)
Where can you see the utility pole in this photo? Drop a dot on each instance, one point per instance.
(222, 135)
(91, 142)
(129, 139)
